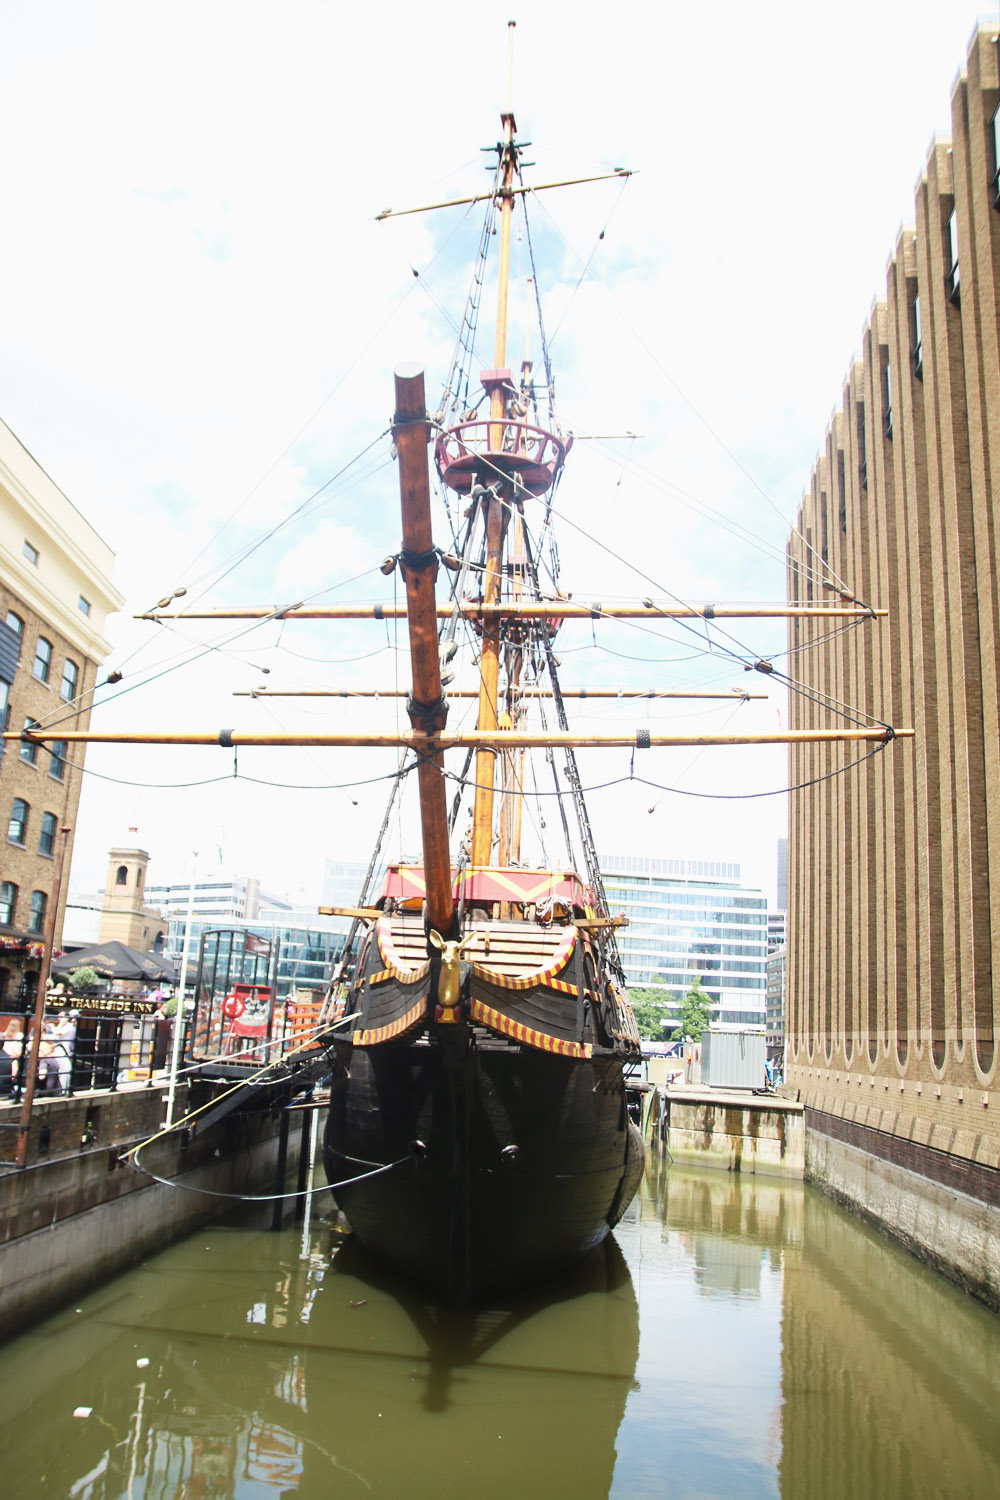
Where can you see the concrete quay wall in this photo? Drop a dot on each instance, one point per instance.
(943, 1209)
(71, 1222)
(733, 1130)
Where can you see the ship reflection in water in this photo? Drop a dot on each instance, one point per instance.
(786, 1351)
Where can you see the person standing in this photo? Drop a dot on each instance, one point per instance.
(11, 1053)
(63, 1038)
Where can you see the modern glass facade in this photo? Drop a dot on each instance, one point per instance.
(776, 1001)
(306, 952)
(692, 919)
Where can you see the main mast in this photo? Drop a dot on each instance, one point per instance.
(495, 503)
(496, 461)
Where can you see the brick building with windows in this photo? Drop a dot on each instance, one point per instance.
(55, 596)
(894, 865)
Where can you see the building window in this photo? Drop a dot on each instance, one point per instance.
(8, 903)
(70, 678)
(57, 761)
(122, 877)
(995, 157)
(36, 917)
(43, 659)
(916, 345)
(886, 399)
(17, 827)
(842, 489)
(4, 706)
(862, 449)
(951, 256)
(83, 605)
(47, 837)
(29, 750)
(30, 552)
(15, 623)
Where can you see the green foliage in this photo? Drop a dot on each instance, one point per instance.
(696, 1012)
(649, 1007)
(84, 978)
(170, 1006)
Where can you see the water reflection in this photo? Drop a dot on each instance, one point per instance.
(786, 1351)
(225, 1369)
(890, 1375)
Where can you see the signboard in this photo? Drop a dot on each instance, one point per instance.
(107, 1006)
(249, 1009)
(258, 945)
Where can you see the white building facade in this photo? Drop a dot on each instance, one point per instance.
(688, 920)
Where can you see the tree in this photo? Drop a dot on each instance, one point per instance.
(649, 1006)
(84, 978)
(696, 1012)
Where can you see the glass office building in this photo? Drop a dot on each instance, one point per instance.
(308, 945)
(692, 919)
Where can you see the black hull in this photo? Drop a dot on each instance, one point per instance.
(513, 1163)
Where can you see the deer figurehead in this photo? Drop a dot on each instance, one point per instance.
(450, 973)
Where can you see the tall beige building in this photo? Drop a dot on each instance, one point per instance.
(894, 863)
(55, 596)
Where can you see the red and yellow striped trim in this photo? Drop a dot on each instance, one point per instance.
(561, 986)
(413, 1017)
(394, 964)
(530, 981)
(497, 1021)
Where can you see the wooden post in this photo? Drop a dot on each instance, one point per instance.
(426, 708)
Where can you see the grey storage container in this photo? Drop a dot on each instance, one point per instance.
(733, 1059)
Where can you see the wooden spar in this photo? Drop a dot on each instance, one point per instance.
(555, 609)
(427, 708)
(734, 694)
(622, 173)
(463, 739)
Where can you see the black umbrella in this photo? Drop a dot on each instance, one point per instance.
(116, 961)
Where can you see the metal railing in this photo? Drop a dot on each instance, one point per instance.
(106, 1053)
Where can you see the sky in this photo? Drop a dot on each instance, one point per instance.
(202, 317)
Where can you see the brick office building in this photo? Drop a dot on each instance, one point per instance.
(55, 597)
(894, 866)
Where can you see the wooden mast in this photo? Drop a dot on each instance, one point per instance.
(495, 503)
(426, 707)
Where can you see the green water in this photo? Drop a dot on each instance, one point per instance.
(742, 1338)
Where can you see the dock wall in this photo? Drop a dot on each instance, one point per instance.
(736, 1131)
(944, 1210)
(69, 1222)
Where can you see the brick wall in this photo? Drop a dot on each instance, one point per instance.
(894, 861)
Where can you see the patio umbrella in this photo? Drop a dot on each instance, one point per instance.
(116, 961)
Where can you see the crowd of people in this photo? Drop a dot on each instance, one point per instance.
(55, 1054)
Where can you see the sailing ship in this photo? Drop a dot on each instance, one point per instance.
(478, 1136)
(485, 1060)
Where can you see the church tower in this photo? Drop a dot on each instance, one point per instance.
(125, 917)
